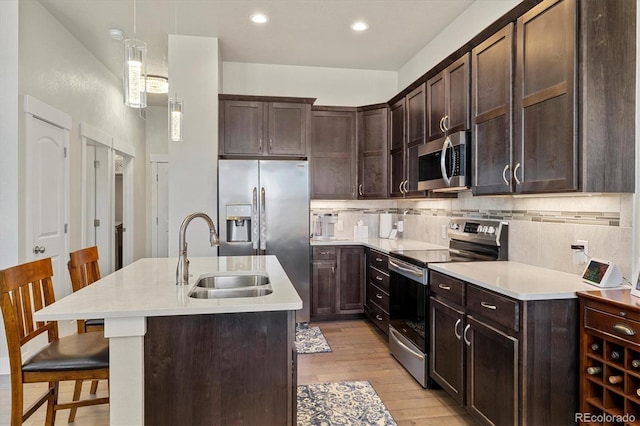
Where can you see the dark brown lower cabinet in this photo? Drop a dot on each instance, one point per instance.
(224, 369)
(508, 361)
(337, 286)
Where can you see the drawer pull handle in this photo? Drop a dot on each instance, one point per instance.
(378, 317)
(378, 259)
(488, 306)
(455, 329)
(378, 277)
(324, 252)
(444, 287)
(624, 329)
(378, 295)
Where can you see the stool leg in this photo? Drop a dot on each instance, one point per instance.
(51, 404)
(76, 397)
(94, 387)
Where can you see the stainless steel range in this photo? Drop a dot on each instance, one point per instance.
(469, 240)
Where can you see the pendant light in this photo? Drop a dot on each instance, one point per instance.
(175, 104)
(175, 119)
(135, 69)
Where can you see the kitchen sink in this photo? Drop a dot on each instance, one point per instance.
(216, 293)
(227, 285)
(231, 280)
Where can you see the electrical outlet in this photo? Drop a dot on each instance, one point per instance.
(340, 225)
(443, 231)
(580, 256)
(400, 226)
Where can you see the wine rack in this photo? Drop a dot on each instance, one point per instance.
(609, 365)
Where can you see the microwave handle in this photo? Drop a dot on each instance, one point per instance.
(443, 168)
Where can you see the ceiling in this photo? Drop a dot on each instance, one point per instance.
(299, 32)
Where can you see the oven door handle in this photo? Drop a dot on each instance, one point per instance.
(396, 336)
(410, 271)
(443, 156)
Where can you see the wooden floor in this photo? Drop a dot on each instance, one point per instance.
(359, 352)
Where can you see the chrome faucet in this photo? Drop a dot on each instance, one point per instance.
(182, 272)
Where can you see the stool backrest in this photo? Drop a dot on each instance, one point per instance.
(84, 268)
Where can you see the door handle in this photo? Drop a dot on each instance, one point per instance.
(443, 167)
(39, 249)
(464, 336)
(360, 189)
(455, 329)
(515, 175)
(263, 221)
(255, 235)
(504, 174)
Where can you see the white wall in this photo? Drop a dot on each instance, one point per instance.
(472, 21)
(56, 68)
(331, 86)
(8, 148)
(193, 184)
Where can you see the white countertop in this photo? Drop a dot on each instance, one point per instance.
(148, 288)
(517, 280)
(384, 245)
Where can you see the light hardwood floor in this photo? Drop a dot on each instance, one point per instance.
(359, 352)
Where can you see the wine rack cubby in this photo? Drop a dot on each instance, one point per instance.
(609, 361)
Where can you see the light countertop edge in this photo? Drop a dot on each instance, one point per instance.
(517, 280)
(147, 288)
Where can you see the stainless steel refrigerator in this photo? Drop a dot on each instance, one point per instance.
(263, 208)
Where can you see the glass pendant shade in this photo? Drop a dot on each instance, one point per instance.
(175, 119)
(135, 73)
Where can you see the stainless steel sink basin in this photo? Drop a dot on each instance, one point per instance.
(208, 293)
(227, 285)
(225, 281)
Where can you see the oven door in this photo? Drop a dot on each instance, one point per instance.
(408, 313)
(442, 164)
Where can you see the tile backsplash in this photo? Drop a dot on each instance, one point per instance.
(541, 229)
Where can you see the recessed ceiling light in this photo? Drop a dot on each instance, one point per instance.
(359, 26)
(259, 18)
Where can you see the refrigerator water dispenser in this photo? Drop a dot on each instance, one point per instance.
(238, 222)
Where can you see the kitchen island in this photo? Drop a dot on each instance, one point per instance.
(213, 361)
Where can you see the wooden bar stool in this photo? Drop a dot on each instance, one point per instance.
(25, 289)
(84, 269)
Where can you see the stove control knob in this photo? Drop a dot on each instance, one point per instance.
(454, 226)
(483, 229)
(491, 230)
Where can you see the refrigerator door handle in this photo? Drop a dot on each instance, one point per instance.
(254, 221)
(263, 223)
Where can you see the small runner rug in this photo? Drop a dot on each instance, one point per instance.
(310, 340)
(341, 403)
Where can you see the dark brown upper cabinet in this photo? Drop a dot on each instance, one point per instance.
(448, 100)
(333, 153)
(407, 123)
(373, 152)
(575, 97)
(263, 126)
(492, 66)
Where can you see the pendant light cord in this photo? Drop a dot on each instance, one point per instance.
(134, 19)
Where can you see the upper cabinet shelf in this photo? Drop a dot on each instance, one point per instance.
(264, 126)
(553, 108)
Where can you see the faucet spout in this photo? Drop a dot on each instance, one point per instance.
(182, 271)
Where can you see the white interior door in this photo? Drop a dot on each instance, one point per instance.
(102, 221)
(127, 207)
(46, 197)
(160, 205)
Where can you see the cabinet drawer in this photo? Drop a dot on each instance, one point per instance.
(448, 287)
(612, 325)
(379, 318)
(377, 296)
(379, 261)
(324, 252)
(494, 307)
(378, 278)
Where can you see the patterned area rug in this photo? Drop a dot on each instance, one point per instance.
(311, 340)
(341, 403)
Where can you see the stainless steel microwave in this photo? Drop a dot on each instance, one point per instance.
(443, 164)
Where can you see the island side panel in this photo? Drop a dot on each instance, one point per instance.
(219, 369)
